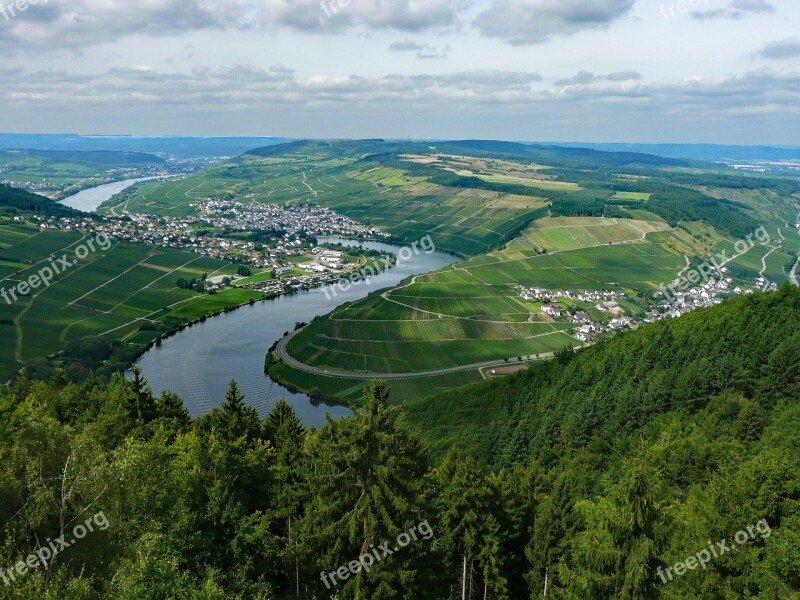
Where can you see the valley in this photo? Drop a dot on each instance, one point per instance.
(613, 226)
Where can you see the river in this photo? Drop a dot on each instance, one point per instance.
(199, 362)
(89, 199)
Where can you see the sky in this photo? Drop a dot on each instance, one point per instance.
(682, 71)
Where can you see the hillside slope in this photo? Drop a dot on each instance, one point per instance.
(642, 454)
(748, 346)
(632, 471)
(14, 201)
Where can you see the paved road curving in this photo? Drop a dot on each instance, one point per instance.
(289, 360)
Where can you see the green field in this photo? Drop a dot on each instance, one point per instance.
(173, 197)
(559, 234)
(542, 184)
(635, 196)
(471, 313)
(110, 293)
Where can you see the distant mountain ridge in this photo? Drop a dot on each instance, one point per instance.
(543, 152)
(706, 152)
(163, 146)
(93, 158)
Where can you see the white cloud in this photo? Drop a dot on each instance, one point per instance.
(80, 23)
(736, 9)
(424, 51)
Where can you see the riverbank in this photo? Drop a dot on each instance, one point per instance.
(91, 197)
(198, 362)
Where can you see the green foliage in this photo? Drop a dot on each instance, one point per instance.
(14, 201)
(584, 477)
(675, 204)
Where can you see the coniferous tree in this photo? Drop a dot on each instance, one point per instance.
(365, 476)
(283, 430)
(143, 407)
(638, 532)
(169, 406)
(234, 419)
(470, 531)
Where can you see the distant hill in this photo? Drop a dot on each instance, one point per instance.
(163, 146)
(706, 152)
(587, 156)
(94, 159)
(490, 148)
(339, 148)
(14, 201)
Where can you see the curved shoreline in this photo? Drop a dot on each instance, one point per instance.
(282, 353)
(198, 364)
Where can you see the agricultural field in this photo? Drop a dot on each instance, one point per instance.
(632, 196)
(566, 233)
(542, 184)
(471, 312)
(174, 197)
(119, 294)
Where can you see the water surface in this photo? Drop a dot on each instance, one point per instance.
(89, 199)
(199, 362)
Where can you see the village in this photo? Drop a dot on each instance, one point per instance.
(606, 304)
(286, 240)
(272, 236)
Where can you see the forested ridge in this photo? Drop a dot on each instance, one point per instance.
(14, 201)
(578, 479)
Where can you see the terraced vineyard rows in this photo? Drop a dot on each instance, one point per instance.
(111, 294)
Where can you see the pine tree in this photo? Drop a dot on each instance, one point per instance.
(637, 533)
(365, 479)
(283, 430)
(472, 534)
(144, 404)
(234, 419)
(781, 374)
(169, 406)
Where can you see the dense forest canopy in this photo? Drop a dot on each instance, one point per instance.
(14, 201)
(591, 476)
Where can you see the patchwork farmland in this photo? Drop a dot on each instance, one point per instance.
(471, 312)
(111, 294)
